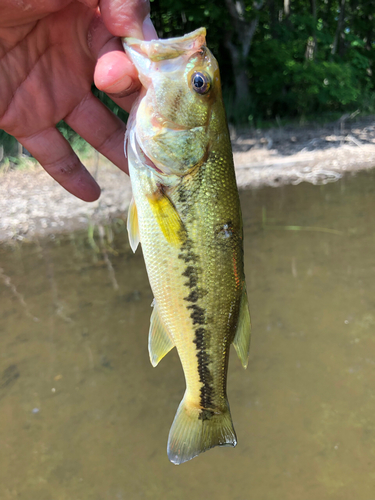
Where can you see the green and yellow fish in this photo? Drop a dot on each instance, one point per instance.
(186, 214)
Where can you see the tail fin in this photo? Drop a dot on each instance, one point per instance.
(194, 431)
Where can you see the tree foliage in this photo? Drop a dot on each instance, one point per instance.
(278, 58)
(305, 57)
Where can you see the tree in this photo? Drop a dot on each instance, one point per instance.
(238, 41)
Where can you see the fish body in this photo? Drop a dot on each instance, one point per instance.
(187, 216)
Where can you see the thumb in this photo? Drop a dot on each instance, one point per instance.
(127, 18)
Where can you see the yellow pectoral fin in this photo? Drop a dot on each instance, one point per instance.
(132, 226)
(168, 218)
(159, 340)
(241, 340)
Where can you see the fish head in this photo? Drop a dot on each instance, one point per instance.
(175, 113)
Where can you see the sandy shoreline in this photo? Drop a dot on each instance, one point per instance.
(33, 205)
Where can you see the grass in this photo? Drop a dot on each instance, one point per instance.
(20, 163)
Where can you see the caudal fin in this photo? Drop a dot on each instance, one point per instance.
(195, 431)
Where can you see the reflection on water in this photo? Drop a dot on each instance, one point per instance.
(83, 415)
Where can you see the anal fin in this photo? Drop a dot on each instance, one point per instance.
(132, 226)
(241, 340)
(159, 340)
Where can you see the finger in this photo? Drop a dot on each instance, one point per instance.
(56, 156)
(125, 103)
(114, 73)
(125, 17)
(149, 31)
(93, 121)
(92, 4)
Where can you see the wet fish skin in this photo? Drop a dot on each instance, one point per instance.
(187, 216)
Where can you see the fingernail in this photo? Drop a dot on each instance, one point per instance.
(121, 85)
(149, 32)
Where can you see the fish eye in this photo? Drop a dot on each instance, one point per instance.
(201, 82)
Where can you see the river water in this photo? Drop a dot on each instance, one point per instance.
(84, 416)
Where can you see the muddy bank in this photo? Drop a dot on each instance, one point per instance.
(32, 204)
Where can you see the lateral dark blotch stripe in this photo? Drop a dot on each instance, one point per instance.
(193, 296)
(197, 315)
(187, 253)
(190, 257)
(199, 338)
(202, 336)
(206, 415)
(183, 194)
(191, 273)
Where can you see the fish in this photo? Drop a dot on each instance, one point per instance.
(186, 214)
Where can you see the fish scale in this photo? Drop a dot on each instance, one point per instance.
(187, 216)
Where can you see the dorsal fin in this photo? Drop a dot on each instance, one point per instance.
(159, 340)
(241, 340)
(132, 226)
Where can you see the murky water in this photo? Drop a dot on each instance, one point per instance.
(83, 415)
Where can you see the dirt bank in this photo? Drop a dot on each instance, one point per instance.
(32, 204)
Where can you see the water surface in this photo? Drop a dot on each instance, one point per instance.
(84, 416)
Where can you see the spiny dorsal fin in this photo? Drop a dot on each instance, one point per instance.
(241, 340)
(159, 340)
(168, 218)
(132, 226)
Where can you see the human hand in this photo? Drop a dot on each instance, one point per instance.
(49, 56)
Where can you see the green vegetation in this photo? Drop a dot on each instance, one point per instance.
(284, 58)
(280, 59)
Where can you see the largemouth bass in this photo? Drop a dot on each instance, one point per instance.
(186, 214)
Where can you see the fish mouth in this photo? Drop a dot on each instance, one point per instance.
(149, 56)
(158, 50)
